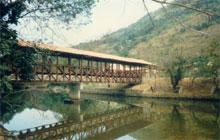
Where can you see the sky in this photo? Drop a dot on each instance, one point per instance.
(107, 16)
(31, 118)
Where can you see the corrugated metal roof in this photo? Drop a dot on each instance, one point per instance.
(83, 52)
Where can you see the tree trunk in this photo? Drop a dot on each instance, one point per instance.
(215, 80)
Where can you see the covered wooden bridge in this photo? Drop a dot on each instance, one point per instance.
(70, 65)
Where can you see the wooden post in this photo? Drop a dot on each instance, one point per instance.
(97, 69)
(150, 71)
(91, 64)
(159, 73)
(88, 64)
(112, 72)
(116, 73)
(79, 61)
(81, 69)
(105, 66)
(16, 75)
(140, 74)
(42, 68)
(142, 71)
(130, 74)
(35, 72)
(123, 79)
(70, 67)
(91, 71)
(64, 74)
(119, 73)
(105, 72)
(50, 69)
(139, 71)
(112, 69)
(57, 65)
(100, 71)
(134, 74)
(87, 70)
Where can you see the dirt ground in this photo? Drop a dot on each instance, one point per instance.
(197, 88)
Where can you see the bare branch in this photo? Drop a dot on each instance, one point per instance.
(2, 26)
(148, 13)
(211, 14)
(29, 12)
(186, 27)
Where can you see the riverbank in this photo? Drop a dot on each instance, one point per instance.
(200, 89)
(138, 93)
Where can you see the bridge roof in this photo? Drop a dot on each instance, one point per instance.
(88, 54)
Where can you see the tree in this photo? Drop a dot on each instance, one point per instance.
(176, 71)
(173, 61)
(11, 13)
(12, 56)
(208, 64)
(214, 61)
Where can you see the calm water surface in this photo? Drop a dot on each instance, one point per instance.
(38, 115)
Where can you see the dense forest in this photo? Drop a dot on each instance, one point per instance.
(182, 41)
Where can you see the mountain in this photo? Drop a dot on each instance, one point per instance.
(145, 41)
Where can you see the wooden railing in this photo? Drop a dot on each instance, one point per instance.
(45, 72)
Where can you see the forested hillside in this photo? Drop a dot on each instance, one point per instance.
(143, 40)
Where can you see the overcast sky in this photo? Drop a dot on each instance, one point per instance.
(107, 16)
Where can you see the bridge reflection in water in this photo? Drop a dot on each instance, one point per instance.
(110, 124)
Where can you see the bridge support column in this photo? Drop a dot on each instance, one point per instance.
(74, 92)
(81, 86)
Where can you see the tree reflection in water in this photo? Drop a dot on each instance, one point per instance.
(177, 122)
(12, 104)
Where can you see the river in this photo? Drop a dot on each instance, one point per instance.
(43, 115)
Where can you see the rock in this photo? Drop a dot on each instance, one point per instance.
(180, 90)
(212, 90)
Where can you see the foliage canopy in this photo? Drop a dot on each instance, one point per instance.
(11, 12)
